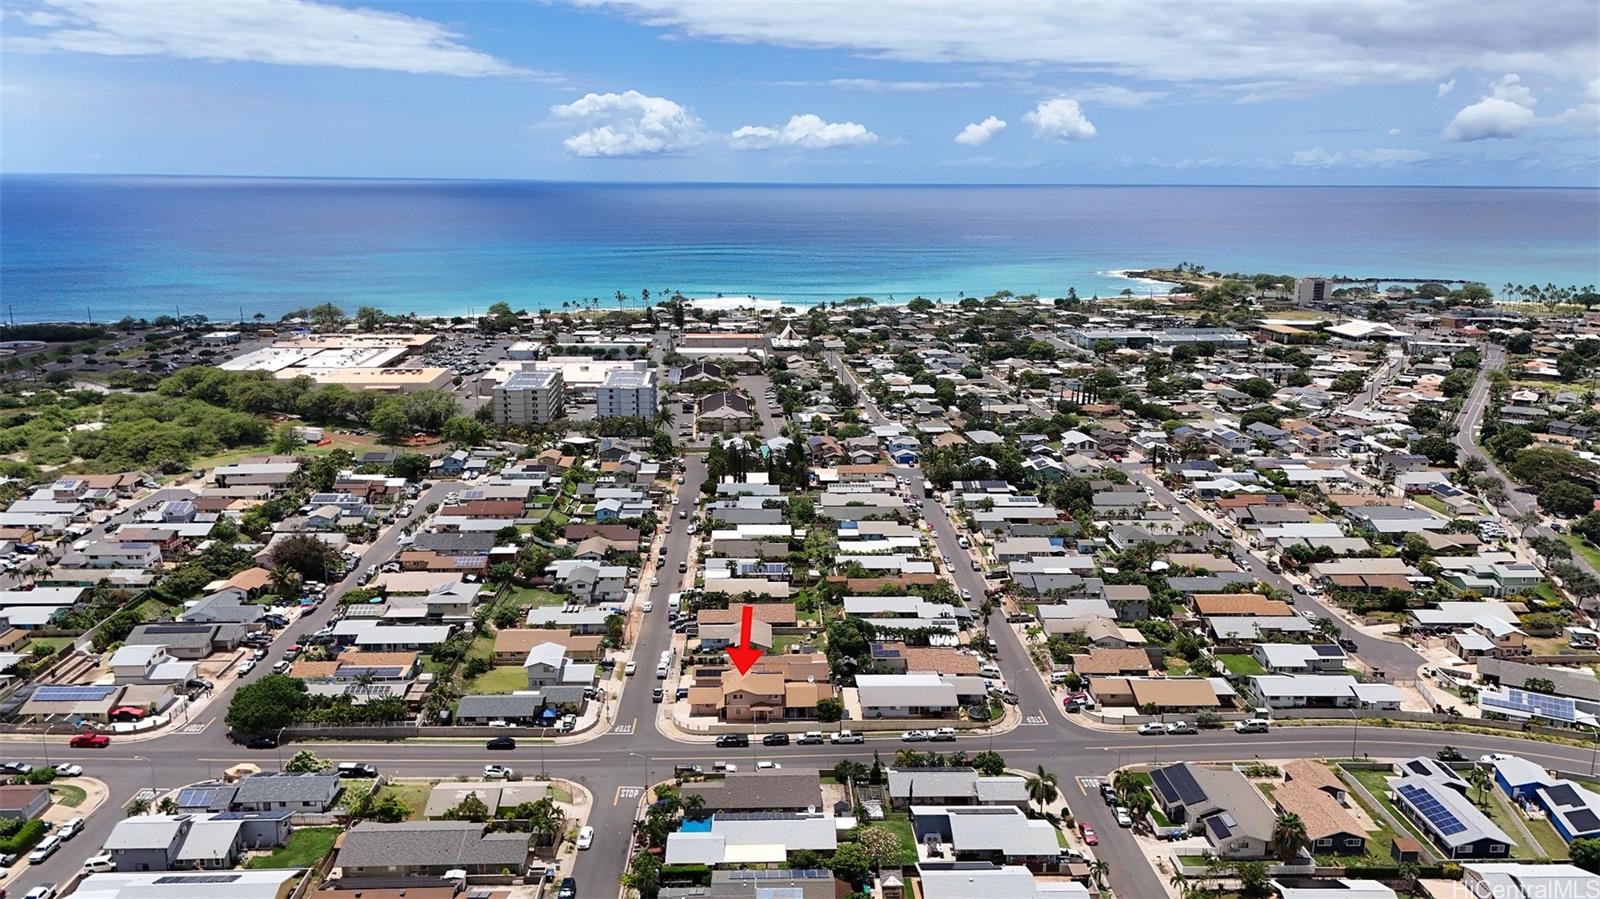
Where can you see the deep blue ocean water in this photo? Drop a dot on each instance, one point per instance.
(76, 247)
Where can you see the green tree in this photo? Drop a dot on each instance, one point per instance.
(1586, 854)
(644, 875)
(389, 419)
(830, 709)
(989, 763)
(882, 847)
(463, 431)
(308, 556)
(851, 864)
(1566, 498)
(167, 806)
(1288, 835)
(266, 705)
(306, 762)
(1439, 450)
(1042, 788)
(470, 808)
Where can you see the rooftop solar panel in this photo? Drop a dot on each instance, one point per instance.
(1440, 818)
(197, 797)
(1556, 708)
(1583, 821)
(1563, 795)
(72, 693)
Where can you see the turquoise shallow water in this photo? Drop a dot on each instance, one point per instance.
(76, 247)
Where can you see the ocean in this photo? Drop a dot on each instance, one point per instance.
(100, 248)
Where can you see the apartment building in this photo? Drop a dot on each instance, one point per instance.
(529, 397)
(627, 394)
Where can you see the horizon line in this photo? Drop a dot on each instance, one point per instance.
(718, 183)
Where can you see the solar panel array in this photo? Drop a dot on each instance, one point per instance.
(797, 874)
(197, 878)
(1442, 819)
(1556, 708)
(1179, 781)
(1563, 795)
(197, 797)
(1583, 821)
(84, 693)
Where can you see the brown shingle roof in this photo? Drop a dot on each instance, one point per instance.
(1101, 660)
(1245, 604)
(1174, 692)
(1322, 814)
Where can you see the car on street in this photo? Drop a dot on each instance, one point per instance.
(810, 738)
(732, 741)
(501, 743)
(89, 741)
(630, 668)
(1087, 832)
(649, 607)
(914, 736)
(356, 769)
(1151, 729)
(42, 891)
(943, 735)
(16, 768)
(99, 864)
(585, 837)
(657, 694)
(262, 742)
(69, 770)
(1251, 726)
(44, 849)
(1124, 819)
(246, 666)
(1489, 759)
(775, 740)
(70, 829)
(1108, 793)
(568, 890)
(1182, 727)
(848, 736)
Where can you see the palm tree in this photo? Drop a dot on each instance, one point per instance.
(1042, 788)
(283, 580)
(1180, 882)
(1480, 780)
(1288, 835)
(1098, 871)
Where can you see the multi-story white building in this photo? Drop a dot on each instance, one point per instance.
(627, 394)
(529, 397)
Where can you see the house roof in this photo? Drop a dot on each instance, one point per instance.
(755, 790)
(430, 844)
(273, 787)
(1324, 817)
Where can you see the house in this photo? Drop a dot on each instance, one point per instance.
(984, 880)
(1572, 808)
(906, 696)
(811, 883)
(753, 838)
(1162, 694)
(295, 792)
(23, 802)
(547, 666)
(241, 884)
(524, 707)
(1220, 803)
(416, 848)
(1330, 828)
(1100, 662)
(1525, 880)
(723, 411)
(1325, 691)
(779, 791)
(1300, 658)
(591, 582)
(1000, 834)
(1337, 888)
(147, 842)
(1436, 800)
(955, 786)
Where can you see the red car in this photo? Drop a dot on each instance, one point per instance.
(1087, 832)
(89, 741)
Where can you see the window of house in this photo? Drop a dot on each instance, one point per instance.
(1497, 849)
(1352, 842)
(1324, 842)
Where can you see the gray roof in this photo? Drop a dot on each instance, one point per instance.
(271, 787)
(211, 839)
(500, 705)
(430, 844)
(754, 790)
(146, 832)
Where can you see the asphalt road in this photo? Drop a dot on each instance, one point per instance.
(616, 766)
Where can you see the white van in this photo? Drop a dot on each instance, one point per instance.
(674, 601)
(1251, 726)
(963, 542)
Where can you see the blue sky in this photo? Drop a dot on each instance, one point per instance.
(1350, 92)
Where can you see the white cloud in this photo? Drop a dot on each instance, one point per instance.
(1316, 157)
(979, 133)
(1060, 119)
(629, 124)
(280, 32)
(1114, 95)
(877, 85)
(808, 131)
(1446, 87)
(1315, 44)
(1388, 156)
(1393, 131)
(1506, 112)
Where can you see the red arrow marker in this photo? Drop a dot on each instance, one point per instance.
(744, 655)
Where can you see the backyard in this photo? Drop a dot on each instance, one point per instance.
(304, 847)
(1240, 664)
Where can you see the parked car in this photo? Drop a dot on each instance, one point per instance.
(914, 736)
(89, 741)
(262, 742)
(943, 735)
(42, 891)
(656, 695)
(1251, 726)
(775, 740)
(1124, 819)
(1450, 754)
(810, 738)
(44, 849)
(501, 743)
(99, 864)
(1152, 728)
(1182, 727)
(356, 769)
(1108, 793)
(1087, 832)
(847, 736)
(70, 829)
(732, 741)
(630, 668)
(246, 666)
(585, 837)
(568, 890)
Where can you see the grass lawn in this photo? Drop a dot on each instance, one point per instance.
(1143, 779)
(1375, 784)
(1177, 666)
(901, 828)
(414, 795)
(151, 609)
(529, 597)
(353, 791)
(560, 794)
(781, 644)
(1435, 504)
(1547, 593)
(1240, 664)
(1554, 847)
(55, 643)
(305, 846)
(1494, 805)
(501, 679)
(72, 797)
(1589, 553)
